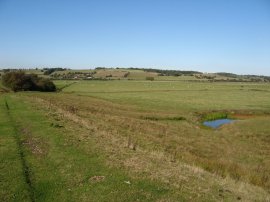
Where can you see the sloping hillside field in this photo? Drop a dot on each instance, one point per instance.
(125, 140)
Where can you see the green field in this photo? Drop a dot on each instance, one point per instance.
(136, 140)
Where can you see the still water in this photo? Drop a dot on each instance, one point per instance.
(217, 123)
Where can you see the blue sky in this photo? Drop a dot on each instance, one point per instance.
(205, 35)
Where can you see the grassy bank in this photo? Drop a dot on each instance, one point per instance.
(60, 167)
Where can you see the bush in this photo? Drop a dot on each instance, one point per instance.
(150, 78)
(126, 74)
(19, 81)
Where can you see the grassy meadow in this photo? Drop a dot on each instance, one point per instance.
(136, 140)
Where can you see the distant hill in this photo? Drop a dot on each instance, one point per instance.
(103, 73)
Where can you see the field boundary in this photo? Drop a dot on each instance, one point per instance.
(66, 86)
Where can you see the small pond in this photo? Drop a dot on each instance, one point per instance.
(217, 123)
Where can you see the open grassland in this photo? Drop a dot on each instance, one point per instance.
(136, 140)
(173, 96)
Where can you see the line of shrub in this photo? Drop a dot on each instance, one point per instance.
(153, 118)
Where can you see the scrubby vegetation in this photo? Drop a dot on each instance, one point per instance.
(156, 118)
(19, 81)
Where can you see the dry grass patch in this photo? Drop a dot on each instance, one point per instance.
(35, 145)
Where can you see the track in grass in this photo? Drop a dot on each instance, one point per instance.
(25, 167)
